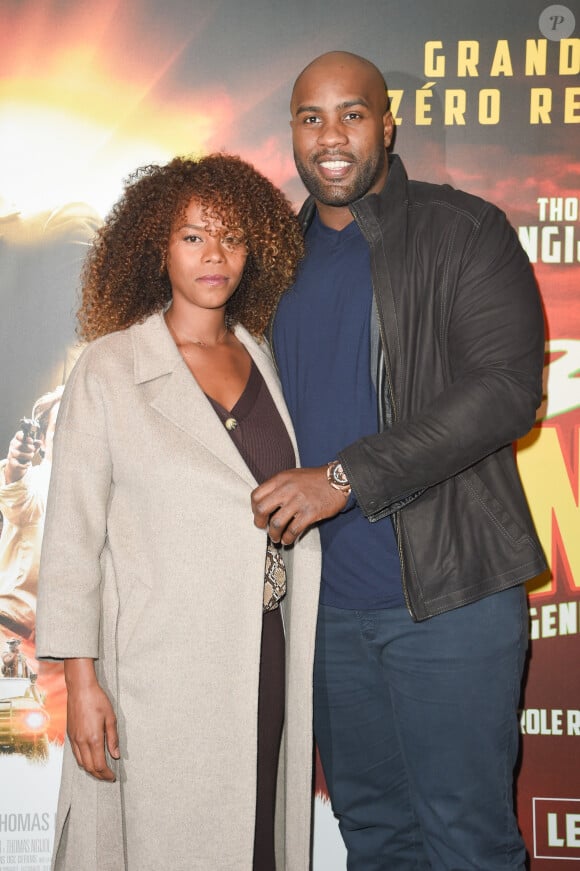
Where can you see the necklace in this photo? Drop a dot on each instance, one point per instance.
(201, 344)
(183, 340)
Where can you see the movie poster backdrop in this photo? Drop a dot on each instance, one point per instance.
(486, 97)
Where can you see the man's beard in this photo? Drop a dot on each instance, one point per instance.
(330, 194)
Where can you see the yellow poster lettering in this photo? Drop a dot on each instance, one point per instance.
(533, 63)
(536, 57)
(434, 62)
(467, 57)
(501, 64)
(551, 495)
(395, 98)
(572, 106)
(569, 57)
(423, 105)
(455, 106)
(540, 105)
(489, 106)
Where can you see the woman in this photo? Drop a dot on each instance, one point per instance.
(156, 587)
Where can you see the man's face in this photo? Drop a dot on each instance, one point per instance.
(340, 127)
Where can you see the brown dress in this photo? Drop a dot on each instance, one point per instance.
(260, 436)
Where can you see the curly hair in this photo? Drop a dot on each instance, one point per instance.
(125, 278)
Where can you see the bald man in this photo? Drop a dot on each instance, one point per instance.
(410, 351)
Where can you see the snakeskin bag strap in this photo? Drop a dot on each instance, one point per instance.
(274, 577)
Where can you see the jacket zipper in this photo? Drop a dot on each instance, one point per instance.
(394, 417)
(386, 364)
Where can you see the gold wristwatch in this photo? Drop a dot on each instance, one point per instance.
(337, 477)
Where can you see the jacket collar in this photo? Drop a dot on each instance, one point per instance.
(154, 351)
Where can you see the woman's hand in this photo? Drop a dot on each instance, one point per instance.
(91, 721)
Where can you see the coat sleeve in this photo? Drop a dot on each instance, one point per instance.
(21, 502)
(492, 346)
(69, 609)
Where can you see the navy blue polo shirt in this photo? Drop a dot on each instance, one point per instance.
(322, 346)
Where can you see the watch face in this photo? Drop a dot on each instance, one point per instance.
(337, 475)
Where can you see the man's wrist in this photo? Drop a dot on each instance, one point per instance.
(15, 471)
(337, 478)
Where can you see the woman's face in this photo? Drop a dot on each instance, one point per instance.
(205, 260)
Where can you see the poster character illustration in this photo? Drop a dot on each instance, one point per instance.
(23, 717)
(41, 252)
(26, 686)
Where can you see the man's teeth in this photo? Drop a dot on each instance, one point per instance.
(334, 164)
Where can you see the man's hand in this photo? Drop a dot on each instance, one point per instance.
(91, 720)
(8, 662)
(20, 456)
(287, 504)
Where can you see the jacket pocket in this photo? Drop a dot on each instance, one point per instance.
(130, 614)
(493, 508)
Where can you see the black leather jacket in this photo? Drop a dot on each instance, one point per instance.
(458, 351)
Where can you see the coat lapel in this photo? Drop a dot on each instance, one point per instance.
(180, 399)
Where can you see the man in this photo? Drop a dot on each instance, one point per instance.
(410, 351)
(24, 477)
(14, 663)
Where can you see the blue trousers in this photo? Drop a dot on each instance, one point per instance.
(417, 729)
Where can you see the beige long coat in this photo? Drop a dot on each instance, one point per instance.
(152, 565)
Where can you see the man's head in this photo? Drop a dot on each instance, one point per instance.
(341, 126)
